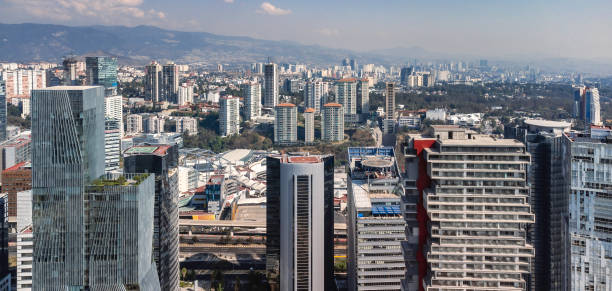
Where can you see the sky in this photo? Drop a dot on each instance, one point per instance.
(494, 28)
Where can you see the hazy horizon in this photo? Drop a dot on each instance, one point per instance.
(493, 29)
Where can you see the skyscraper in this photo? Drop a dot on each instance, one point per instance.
(300, 222)
(71, 76)
(285, 124)
(112, 144)
(153, 82)
(404, 74)
(229, 116)
(113, 110)
(549, 182)
(474, 213)
(346, 95)
(3, 112)
(252, 101)
(332, 122)
(592, 111)
(67, 154)
(313, 94)
(389, 122)
(161, 160)
(170, 83)
(270, 85)
(185, 94)
(375, 224)
(363, 98)
(309, 125)
(102, 71)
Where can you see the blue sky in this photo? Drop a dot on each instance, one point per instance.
(495, 28)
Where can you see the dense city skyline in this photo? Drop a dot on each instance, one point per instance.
(457, 28)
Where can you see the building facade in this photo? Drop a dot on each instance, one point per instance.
(170, 83)
(187, 125)
(363, 98)
(161, 160)
(300, 223)
(313, 95)
(153, 82)
(332, 122)
(252, 101)
(309, 132)
(271, 90)
(346, 95)
(102, 71)
(229, 116)
(134, 124)
(285, 124)
(389, 121)
(375, 222)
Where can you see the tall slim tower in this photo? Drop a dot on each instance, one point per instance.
(313, 93)
(285, 124)
(252, 101)
(270, 85)
(70, 71)
(332, 122)
(309, 125)
(153, 76)
(346, 95)
(67, 154)
(161, 160)
(389, 122)
(363, 98)
(229, 116)
(170, 83)
(300, 222)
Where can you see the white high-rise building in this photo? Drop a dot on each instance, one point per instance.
(346, 95)
(187, 124)
(363, 97)
(134, 124)
(313, 94)
(19, 83)
(389, 121)
(592, 107)
(309, 125)
(25, 246)
(229, 116)
(332, 122)
(185, 94)
(252, 101)
(154, 124)
(271, 89)
(114, 109)
(285, 124)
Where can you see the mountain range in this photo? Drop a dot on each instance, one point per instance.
(138, 45)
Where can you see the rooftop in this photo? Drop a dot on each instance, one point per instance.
(144, 150)
(285, 105)
(480, 140)
(547, 123)
(332, 105)
(56, 88)
(309, 110)
(347, 80)
(304, 160)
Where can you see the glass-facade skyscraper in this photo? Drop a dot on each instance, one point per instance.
(102, 71)
(67, 154)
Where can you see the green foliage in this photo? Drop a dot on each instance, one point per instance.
(340, 266)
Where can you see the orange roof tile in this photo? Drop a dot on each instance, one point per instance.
(309, 110)
(347, 80)
(332, 105)
(285, 105)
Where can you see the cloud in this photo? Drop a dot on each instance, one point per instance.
(108, 11)
(268, 8)
(326, 31)
(228, 1)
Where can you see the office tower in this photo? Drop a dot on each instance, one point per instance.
(592, 110)
(363, 98)
(354, 65)
(313, 95)
(474, 213)
(428, 79)
(285, 124)
(215, 193)
(16, 179)
(405, 73)
(153, 82)
(170, 83)
(112, 144)
(185, 94)
(590, 224)
(270, 85)
(389, 122)
(70, 71)
(346, 62)
(188, 125)
(229, 116)
(154, 124)
(134, 123)
(375, 224)
(309, 125)
(549, 178)
(25, 245)
(332, 122)
(162, 161)
(346, 95)
(300, 222)
(252, 101)
(67, 154)
(120, 232)
(102, 71)
(3, 112)
(578, 93)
